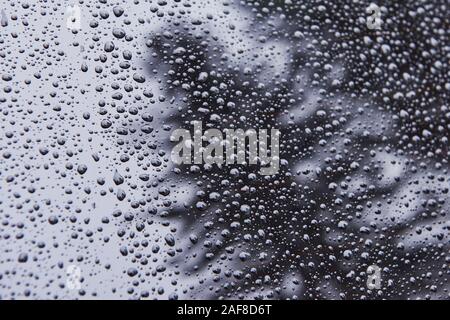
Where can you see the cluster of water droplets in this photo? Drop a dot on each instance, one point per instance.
(86, 175)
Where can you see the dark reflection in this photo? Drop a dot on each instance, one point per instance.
(352, 105)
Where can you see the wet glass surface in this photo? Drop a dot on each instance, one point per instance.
(92, 205)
